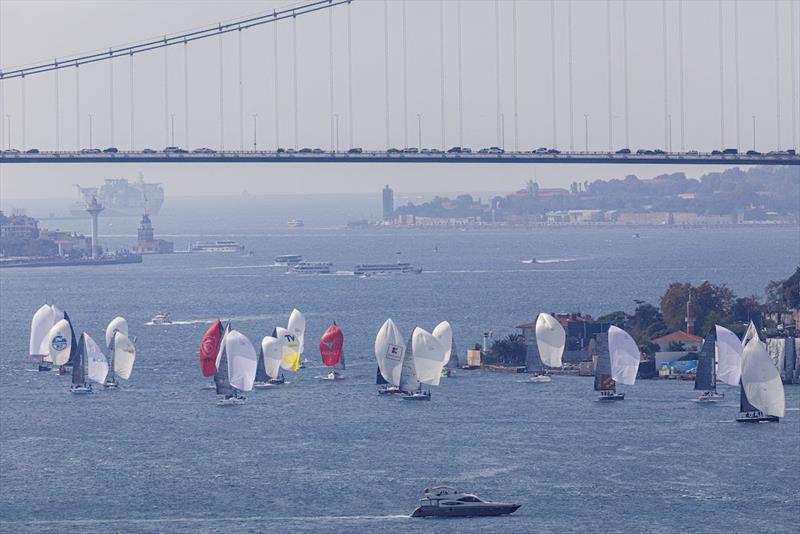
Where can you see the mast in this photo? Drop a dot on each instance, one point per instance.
(111, 348)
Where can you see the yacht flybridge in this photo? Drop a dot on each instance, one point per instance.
(444, 501)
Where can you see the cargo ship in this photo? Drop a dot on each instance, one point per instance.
(121, 198)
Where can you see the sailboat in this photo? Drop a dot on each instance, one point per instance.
(425, 360)
(41, 323)
(290, 354)
(550, 342)
(720, 360)
(390, 350)
(297, 327)
(331, 351)
(62, 343)
(209, 349)
(88, 362)
(620, 364)
(269, 363)
(120, 350)
(236, 367)
(761, 397)
(444, 333)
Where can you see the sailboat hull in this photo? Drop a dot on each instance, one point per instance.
(417, 397)
(81, 390)
(389, 390)
(711, 397)
(262, 385)
(44, 367)
(111, 385)
(757, 418)
(612, 397)
(539, 379)
(233, 401)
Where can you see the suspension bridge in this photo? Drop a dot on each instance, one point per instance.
(463, 134)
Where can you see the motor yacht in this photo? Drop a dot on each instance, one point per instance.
(444, 501)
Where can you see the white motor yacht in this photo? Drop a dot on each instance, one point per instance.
(161, 318)
(444, 501)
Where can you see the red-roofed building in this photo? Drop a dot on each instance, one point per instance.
(691, 343)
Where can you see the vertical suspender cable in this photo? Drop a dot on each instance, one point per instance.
(22, 94)
(553, 69)
(405, 76)
(721, 79)
(330, 64)
(77, 107)
(55, 83)
(241, 94)
(777, 77)
(793, 72)
(294, 79)
(497, 67)
(610, 87)
(736, 71)
(3, 115)
(569, 65)
(349, 78)
(386, 64)
(441, 70)
(625, 69)
(221, 94)
(111, 100)
(186, 94)
(131, 102)
(277, 99)
(680, 63)
(516, 78)
(166, 93)
(460, 80)
(666, 78)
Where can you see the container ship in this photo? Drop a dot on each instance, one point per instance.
(121, 198)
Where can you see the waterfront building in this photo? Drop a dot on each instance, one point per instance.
(388, 203)
(18, 226)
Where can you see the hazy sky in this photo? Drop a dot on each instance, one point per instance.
(35, 30)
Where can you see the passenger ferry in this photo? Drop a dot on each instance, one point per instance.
(288, 259)
(311, 267)
(368, 269)
(216, 246)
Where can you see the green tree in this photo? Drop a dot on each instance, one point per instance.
(509, 350)
(783, 295)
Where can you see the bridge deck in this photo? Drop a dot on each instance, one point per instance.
(385, 157)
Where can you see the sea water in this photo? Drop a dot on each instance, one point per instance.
(157, 455)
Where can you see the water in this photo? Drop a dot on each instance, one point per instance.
(159, 456)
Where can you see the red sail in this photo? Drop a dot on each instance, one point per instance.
(209, 348)
(330, 345)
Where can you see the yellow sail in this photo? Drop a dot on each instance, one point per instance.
(291, 361)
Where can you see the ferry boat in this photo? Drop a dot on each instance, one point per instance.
(311, 267)
(295, 223)
(368, 269)
(217, 246)
(288, 259)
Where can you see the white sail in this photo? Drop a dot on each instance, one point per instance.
(297, 326)
(550, 339)
(59, 341)
(751, 333)
(390, 351)
(429, 355)
(728, 350)
(41, 323)
(95, 360)
(290, 349)
(118, 324)
(408, 371)
(272, 354)
(761, 380)
(624, 355)
(444, 333)
(124, 355)
(242, 360)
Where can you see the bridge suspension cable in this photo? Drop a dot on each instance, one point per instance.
(166, 41)
(667, 140)
(553, 69)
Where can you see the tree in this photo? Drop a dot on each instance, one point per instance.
(510, 350)
(783, 295)
(713, 304)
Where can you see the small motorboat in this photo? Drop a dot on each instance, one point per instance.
(277, 381)
(530, 261)
(757, 417)
(539, 379)
(444, 501)
(161, 318)
(333, 375)
(711, 396)
(389, 390)
(303, 363)
(610, 395)
(418, 396)
(83, 389)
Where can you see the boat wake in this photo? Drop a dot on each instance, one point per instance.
(211, 321)
(549, 260)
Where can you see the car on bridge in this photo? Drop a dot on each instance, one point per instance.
(393, 150)
(32, 151)
(623, 151)
(305, 150)
(90, 151)
(356, 150)
(411, 150)
(731, 151)
(454, 150)
(111, 150)
(754, 153)
(203, 150)
(554, 151)
(491, 150)
(148, 151)
(175, 150)
(540, 150)
(11, 151)
(318, 151)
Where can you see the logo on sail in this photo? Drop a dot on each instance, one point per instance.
(394, 352)
(59, 343)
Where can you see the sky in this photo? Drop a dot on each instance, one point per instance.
(32, 31)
